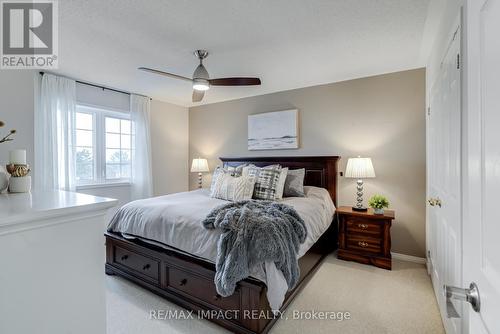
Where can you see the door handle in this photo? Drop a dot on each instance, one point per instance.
(470, 295)
(434, 201)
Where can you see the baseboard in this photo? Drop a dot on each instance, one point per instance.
(408, 258)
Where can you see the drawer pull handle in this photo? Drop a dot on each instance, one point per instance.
(363, 244)
(146, 267)
(124, 257)
(217, 297)
(363, 226)
(183, 282)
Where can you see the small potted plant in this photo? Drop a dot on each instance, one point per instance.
(378, 203)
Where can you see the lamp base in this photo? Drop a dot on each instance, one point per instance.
(359, 199)
(200, 180)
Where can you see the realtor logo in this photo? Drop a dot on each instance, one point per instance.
(29, 35)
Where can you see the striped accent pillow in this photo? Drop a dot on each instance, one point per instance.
(233, 171)
(232, 188)
(266, 182)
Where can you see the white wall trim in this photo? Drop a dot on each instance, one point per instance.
(408, 258)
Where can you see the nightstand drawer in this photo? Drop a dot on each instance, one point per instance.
(356, 225)
(365, 244)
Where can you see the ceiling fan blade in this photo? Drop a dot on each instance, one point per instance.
(234, 82)
(171, 75)
(198, 95)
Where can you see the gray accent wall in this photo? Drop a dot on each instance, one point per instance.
(382, 117)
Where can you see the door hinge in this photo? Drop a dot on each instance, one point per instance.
(428, 111)
(458, 61)
(429, 254)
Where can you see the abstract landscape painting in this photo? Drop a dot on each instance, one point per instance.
(273, 130)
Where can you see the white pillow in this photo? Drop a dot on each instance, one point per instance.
(232, 188)
(281, 183)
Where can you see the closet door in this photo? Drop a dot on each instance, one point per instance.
(482, 168)
(444, 186)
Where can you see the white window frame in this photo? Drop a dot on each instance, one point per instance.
(99, 145)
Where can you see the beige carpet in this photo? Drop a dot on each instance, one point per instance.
(379, 301)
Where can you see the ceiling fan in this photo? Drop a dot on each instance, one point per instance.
(201, 80)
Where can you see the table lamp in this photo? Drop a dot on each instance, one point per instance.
(199, 166)
(359, 168)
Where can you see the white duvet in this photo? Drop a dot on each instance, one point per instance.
(175, 220)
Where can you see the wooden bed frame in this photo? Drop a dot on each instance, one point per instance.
(189, 281)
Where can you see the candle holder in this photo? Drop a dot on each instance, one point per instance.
(20, 181)
(18, 170)
(20, 184)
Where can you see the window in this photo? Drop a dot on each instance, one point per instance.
(103, 146)
(85, 167)
(118, 145)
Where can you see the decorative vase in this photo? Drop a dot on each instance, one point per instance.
(378, 211)
(4, 179)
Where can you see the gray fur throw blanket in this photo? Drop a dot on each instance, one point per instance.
(255, 232)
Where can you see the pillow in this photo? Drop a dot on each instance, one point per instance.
(281, 183)
(233, 171)
(294, 183)
(247, 167)
(232, 188)
(236, 171)
(266, 181)
(218, 171)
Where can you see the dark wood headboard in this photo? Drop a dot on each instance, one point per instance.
(321, 171)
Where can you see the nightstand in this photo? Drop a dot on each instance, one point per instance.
(365, 237)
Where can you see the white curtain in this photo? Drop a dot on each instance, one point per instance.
(55, 135)
(142, 183)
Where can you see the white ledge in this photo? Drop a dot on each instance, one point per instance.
(17, 210)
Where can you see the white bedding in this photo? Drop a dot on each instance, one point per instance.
(175, 220)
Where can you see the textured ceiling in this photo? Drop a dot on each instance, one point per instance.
(287, 43)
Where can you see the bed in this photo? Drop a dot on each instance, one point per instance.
(187, 278)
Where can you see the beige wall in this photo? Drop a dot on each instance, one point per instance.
(170, 146)
(382, 117)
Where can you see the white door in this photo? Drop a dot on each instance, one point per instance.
(481, 240)
(444, 187)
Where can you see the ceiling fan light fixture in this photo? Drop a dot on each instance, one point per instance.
(201, 80)
(201, 84)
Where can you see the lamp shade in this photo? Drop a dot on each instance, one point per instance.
(359, 168)
(199, 165)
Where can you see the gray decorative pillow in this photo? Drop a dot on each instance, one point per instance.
(294, 183)
(266, 182)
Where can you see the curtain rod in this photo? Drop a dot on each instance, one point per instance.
(98, 86)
